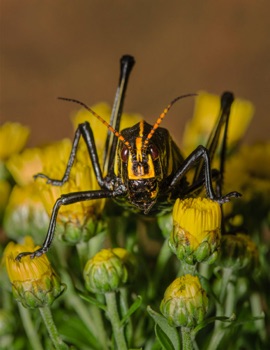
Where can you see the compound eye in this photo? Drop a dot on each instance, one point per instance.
(124, 154)
(154, 152)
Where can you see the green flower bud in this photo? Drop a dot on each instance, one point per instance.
(185, 302)
(34, 282)
(196, 230)
(108, 270)
(238, 252)
(71, 231)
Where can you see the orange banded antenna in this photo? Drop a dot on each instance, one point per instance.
(115, 132)
(161, 117)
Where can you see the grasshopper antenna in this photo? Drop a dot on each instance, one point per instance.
(115, 132)
(162, 116)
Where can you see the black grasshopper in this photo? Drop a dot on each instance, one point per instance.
(143, 168)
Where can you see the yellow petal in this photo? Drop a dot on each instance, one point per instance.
(13, 137)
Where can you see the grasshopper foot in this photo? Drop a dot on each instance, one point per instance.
(37, 253)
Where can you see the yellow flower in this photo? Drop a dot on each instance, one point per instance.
(185, 302)
(79, 221)
(205, 115)
(196, 230)
(249, 173)
(31, 161)
(109, 270)
(13, 137)
(34, 282)
(25, 213)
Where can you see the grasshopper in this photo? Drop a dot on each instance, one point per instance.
(143, 169)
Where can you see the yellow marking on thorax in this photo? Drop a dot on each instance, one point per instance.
(141, 128)
(140, 169)
(139, 149)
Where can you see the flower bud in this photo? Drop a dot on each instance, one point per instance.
(72, 231)
(196, 230)
(185, 302)
(108, 270)
(34, 282)
(25, 214)
(238, 252)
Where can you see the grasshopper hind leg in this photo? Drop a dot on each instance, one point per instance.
(202, 158)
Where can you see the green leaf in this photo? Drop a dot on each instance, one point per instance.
(93, 301)
(209, 320)
(74, 331)
(137, 303)
(163, 339)
(166, 334)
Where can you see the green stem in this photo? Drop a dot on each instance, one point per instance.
(86, 250)
(162, 260)
(225, 305)
(186, 338)
(82, 249)
(217, 336)
(229, 307)
(124, 310)
(257, 310)
(113, 315)
(227, 273)
(91, 318)
(51, 328)
(188, 269)
(205, 270)
(30, 328)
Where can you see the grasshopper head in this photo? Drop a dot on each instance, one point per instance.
(140, 166)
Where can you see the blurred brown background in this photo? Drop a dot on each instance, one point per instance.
(72, 48)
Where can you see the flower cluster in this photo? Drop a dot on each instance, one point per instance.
(204, 264)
